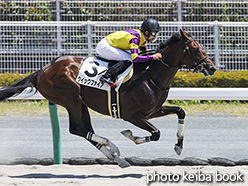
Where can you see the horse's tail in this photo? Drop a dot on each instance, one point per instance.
(29, 81)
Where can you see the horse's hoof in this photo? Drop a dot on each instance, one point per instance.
(178, 150)
(121, 162)
(126, 133)
(124, 164)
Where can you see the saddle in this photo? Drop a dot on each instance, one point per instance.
(90, 73)
(110, 62)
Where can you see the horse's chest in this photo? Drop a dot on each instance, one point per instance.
(145, 98)
(155, 104)
(151, 101)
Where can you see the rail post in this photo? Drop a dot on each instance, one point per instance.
(179, 11)
(89, 34)
(57, 150)
(59, 35)
(216, 45)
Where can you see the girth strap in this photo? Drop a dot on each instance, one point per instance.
(113, 103)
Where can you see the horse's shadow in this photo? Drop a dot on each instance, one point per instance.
(71, 176)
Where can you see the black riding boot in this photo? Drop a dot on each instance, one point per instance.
(111, 74)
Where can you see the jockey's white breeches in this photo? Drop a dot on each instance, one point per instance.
(106, 51)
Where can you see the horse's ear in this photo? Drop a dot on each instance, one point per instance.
(181, 32)
(184, 34)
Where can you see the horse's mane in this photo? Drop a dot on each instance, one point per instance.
(174, 38)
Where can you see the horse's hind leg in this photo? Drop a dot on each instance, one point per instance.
(165, 110)
(84, 128)
(56, 82)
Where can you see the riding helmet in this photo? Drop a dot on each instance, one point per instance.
(150, 25)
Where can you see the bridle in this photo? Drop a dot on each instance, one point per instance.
(198, 63)
(198, 67)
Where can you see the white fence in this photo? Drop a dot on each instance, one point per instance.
(123, 10)
(27, 46)
(174, 94)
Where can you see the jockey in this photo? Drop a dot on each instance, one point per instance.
(114, 46)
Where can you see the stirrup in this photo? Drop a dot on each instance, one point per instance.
(107, 80)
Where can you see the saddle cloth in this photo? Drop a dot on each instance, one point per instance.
(93, 68)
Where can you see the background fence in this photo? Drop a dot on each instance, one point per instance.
(123, 10)
(33, 32)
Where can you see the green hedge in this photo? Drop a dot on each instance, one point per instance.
(219, 79)
(10, 79)
(182, 79)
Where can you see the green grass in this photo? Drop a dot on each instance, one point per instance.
(26, 108)
(39, 108)
(236, 108)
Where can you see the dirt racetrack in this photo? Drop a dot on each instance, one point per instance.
(104, 175)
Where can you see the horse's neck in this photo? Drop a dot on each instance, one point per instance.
(161, 74)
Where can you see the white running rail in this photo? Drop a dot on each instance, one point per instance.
(174, 94)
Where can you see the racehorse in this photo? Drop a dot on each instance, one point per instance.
(141, 98)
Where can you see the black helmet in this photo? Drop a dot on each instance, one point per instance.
(150, 25)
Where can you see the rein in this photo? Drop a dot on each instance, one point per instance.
(197, 67)
(198, 64)
(165, 64)
(153, 51)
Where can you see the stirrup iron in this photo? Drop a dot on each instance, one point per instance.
(108, 80)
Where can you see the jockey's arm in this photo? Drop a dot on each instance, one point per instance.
(139, 58)
(134, 52)
(143, 50)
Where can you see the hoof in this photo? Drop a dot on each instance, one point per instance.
(178, 150)
(124, 164)
(126, 133)
(121, 162)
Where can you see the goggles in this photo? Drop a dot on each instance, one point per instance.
(154, 36)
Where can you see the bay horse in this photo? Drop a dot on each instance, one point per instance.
(141, 98)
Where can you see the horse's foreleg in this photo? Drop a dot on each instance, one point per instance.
(137, 140)
(165, 110)
(140, 121)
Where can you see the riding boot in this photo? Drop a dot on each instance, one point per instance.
(111, 74)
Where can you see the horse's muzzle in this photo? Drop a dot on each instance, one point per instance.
(208, 71)
(212, 70)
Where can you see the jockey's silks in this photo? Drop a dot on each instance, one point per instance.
(133, 40)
